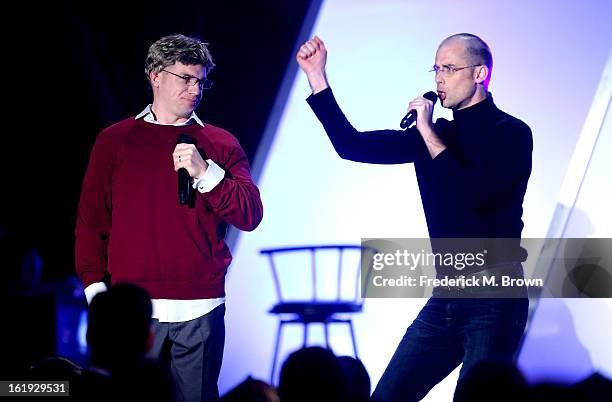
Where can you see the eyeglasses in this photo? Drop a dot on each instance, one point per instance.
(447, 70)
(204, 83)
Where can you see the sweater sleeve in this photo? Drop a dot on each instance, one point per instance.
(94, 214)
(236, 198)
(380, 146)
(505, 164)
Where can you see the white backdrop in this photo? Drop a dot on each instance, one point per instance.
(548, 59)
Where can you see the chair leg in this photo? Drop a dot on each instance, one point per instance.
(326, 328)
(350, 323)
(276, 346)
(305, 334)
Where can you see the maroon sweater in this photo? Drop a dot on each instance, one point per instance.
(131, 226)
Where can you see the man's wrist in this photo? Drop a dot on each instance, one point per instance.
(428, 133)
(213, 175)
(317, 81)
(432, 141)
(202, 173)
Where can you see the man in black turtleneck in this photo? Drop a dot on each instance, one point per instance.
(472, 174)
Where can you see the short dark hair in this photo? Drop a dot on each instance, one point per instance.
(184, 49)
(478, 52)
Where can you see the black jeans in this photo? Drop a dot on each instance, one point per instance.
(191, 352)
(446, 333)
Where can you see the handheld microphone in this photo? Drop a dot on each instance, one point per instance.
(412, 114)
(184, 180)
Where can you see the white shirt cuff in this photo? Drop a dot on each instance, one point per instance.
(94, 289)
(209, 180)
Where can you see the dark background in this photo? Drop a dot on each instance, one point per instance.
(91, 75)
(74, 67)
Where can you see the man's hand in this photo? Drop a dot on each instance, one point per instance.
(312, 57)
(424, 109)
(187, 156)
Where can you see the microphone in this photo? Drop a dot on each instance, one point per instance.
(184, 180)
(412, 114)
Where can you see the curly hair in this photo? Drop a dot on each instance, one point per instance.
(177, 48)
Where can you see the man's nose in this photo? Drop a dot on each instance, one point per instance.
(195, 89)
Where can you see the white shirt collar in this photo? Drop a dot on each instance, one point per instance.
(149, 117)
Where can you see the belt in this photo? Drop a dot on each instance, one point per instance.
(482, 282)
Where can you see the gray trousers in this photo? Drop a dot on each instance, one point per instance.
(191, 352)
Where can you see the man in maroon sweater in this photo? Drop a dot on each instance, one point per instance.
(131, 227)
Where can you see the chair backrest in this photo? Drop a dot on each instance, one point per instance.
(315, 273)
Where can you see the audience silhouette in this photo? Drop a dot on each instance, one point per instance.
(119, 336)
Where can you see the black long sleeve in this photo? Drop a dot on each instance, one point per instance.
(503, 166)
(474, 188)
(380, 146)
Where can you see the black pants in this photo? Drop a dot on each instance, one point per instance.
(191, 352)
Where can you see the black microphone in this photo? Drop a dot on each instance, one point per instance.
(412, 114)
(184, 180)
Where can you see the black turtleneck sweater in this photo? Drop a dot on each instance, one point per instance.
(473, 189)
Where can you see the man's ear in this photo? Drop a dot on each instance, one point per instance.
(482, 73)
(154, 78)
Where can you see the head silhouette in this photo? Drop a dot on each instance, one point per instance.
(119, 323)
(251, 390)
(357, 378)
(312, 374)
(488, 381)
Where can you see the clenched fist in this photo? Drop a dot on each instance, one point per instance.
(187, 156)
(312, 57)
